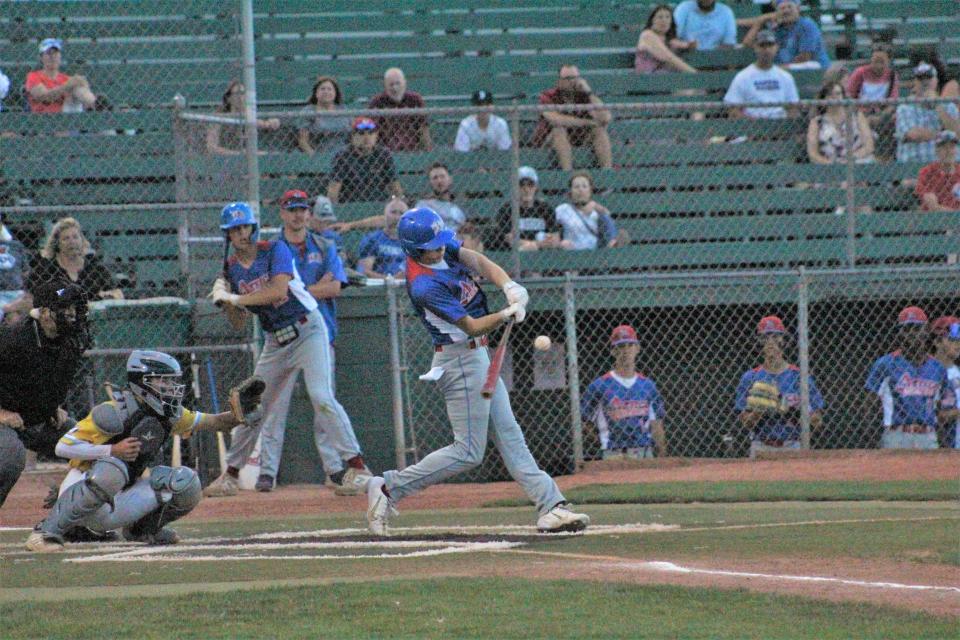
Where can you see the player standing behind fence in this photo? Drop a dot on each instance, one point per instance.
(909, 383)
(441, 283)
(946, 344)
(768, 397)
(264, 280)
(624, 405)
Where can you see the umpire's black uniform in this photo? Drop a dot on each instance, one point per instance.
(36, 372)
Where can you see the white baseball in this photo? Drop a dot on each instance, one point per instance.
(542, 343)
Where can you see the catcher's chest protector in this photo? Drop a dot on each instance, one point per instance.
(152, 431)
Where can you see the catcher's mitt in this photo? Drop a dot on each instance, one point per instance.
(764, 397)
(245, 400)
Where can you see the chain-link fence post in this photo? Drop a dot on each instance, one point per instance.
(851, 115)
(397, 389)
(803, 345)
(573, 370)
(180, 180)
(515, 190)
(250, 105)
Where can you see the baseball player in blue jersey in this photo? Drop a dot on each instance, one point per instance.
(263, 278)
(624, 405)
(442, 285)
(380, 254)
(946, 345)
(768, 397)
(910, 384)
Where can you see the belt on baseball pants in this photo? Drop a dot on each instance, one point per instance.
(472, 343)
(912, 428)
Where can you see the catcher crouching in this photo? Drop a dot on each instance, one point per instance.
(111, 448)
(768, 397)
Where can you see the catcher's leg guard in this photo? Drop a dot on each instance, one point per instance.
(105, 479)
(178, 492)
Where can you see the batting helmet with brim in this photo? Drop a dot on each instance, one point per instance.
(236, 214)
(422, 229)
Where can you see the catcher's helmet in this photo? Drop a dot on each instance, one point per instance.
(422, 229)
(239, 213)
(154, 379)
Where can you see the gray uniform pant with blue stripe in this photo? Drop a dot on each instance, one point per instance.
(464, 372)
(279, 367)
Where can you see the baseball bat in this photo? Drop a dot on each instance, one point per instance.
(493, 373)
(226, 265)
(221, 443)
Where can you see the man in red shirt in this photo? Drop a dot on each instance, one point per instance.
(406, 132)
(49, 90)
(938, 185)
(567, 129)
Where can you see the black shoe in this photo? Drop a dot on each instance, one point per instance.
(83, 534)
(264, 483)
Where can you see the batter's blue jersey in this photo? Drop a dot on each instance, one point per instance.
(909, 394)
(443, 294)
(622, 413)
(387, 254)
(273, 258)
(778, 427)
(315, 258)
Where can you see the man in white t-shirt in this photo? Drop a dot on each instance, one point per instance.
(482, 130)
(762, 82)
(946, 345)
(585, 223)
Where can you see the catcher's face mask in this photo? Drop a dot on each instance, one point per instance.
(168, 390)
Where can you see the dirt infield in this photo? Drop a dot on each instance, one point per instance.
(23, 506)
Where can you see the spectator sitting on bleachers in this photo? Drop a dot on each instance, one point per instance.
(49, 90)
(406, 132)
(471, 237)
(707, 24)
(483, 130)
(363, 170)
(228, 141)
(659, 48)
(441, 199)
(947, 86)
(14, 268)
(380, 254)
(938, 185)
(877, 80)
(918, 124)
(585, 223)
(4, 87)
(799, 39)
(319, 129)
(567, 129)
(762, 82)
(67, 258)
(536, 220)
(827, 132)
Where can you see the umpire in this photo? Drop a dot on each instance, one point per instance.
(39, 357)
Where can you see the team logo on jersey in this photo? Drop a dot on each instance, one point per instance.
(622, 409)
(468, 290)
(908, 386)
(314, 256)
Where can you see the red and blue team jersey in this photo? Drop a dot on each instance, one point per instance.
(315, 258)
(443, 294)
(273, 258)
(784, 427)
(909, 394)
(621, 412)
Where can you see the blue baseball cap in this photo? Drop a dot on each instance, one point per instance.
(51, 43)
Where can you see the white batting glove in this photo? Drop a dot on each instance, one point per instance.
(220, 296)
(516, 311)
(220, 285)
(516, 294)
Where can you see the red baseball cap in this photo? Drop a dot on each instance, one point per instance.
(912, 315)
(941, 326)
(363, 123)
(770, 324)
(624, 334)
(295, 199)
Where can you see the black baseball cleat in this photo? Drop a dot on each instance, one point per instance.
(264, 483)
(83, 534)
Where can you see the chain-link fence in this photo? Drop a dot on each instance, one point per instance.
(699, 344)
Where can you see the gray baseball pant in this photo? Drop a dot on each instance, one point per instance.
(279, 366)
(464, 372)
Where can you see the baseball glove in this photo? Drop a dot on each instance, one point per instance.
(245, 400)
(764, 397)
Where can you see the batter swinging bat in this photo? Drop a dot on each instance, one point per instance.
(226, 265)
(493, 373)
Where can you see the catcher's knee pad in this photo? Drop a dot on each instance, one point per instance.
(105, 479)
(177, 487)
(108, 476)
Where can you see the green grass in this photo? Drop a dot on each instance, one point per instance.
(826, 490)
(472, 608)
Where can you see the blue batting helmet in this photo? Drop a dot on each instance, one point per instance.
(422, 229)
(239, 213)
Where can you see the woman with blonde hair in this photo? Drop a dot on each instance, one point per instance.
(66, 257)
